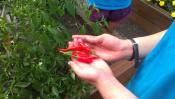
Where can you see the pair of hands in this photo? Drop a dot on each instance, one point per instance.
(108, 48)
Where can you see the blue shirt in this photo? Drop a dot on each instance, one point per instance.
(109, 4)
(155, 78)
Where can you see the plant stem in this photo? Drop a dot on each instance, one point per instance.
(3, 11)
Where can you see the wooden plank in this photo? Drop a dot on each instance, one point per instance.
(120, 67)
(147, 26)
(150, 18)
(152, 13)
(126, 76)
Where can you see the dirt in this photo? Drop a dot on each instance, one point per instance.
(74, 24)
(127, 29)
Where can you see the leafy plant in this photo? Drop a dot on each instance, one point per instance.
(30, 66)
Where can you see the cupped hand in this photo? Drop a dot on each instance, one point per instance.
(106, 46)
(92, 72)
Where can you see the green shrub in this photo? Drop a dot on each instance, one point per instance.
(30, 66)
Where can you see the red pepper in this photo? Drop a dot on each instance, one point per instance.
(85, 47)
(85, 59)
(79, 48)
(93, 57)
(81, 52)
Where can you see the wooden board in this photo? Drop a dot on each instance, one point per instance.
(150, 18)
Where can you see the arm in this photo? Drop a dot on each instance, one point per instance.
(111, 48)
(147, 43)
(111, 88)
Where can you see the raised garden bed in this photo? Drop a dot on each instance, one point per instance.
(150, 18)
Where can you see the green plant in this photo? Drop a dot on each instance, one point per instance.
(30, 66)
(168, 5)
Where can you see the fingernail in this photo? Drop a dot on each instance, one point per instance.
(89, 38)
(69, 62)
(79, 40)
(74, 39)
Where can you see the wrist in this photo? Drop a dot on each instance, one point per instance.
(111, 88)
(127, 49)
(104, 79)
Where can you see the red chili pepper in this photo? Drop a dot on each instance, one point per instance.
(85, 59)
(79, 48)
(81, 52)
(82, 47)
(85, 47)
(93, 57)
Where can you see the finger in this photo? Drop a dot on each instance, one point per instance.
(88, 38)
(76, 68)
(75, 42)
(99, 63)
(80, 64)
(79, 40)
(79, 36)
(70, 44)
(94, 39)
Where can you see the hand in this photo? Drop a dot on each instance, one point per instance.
(100, 75)
(93, 72)
(106, 46)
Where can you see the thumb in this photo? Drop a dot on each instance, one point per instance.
(75, 67)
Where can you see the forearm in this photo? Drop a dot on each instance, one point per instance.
(111, 88)
(147, 43)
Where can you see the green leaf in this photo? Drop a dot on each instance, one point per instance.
(105, 22)
(61, 11)
(55, 91)
(73, 75)
(1, 34)
(83, 29)
(44, 39)
(37, 85)
(87, 14)
(96, 28)
(58, 36)
(70, 7)
(22, 84)
(38, 98)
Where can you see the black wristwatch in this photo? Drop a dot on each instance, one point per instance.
(135, 54)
